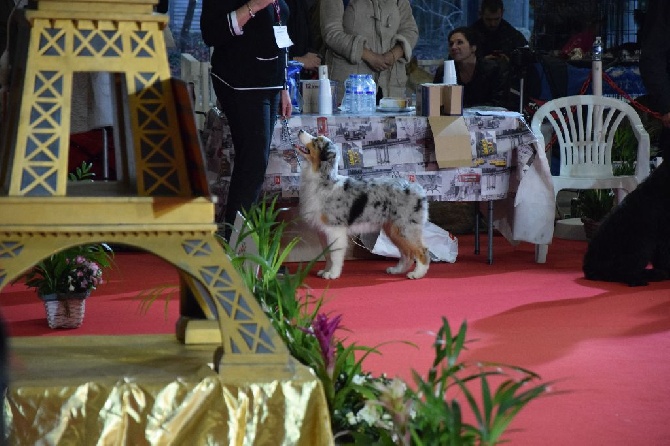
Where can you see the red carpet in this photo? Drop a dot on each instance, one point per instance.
(114, 308)
(605, 345)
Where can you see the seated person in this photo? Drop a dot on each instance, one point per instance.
(482, 80)
(498, 37)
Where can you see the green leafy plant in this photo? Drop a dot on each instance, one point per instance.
(439, 419)
(375, 410)
(82, 173)
(624, 150)
(283, 297)
(595, 204)
(73, 270)
(164, 291)
(261, 271)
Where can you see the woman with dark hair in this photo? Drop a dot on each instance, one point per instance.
(482, 80)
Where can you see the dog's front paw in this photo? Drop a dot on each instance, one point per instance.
(420, 271)
(395, 270)
(330, 275)
(415, 275)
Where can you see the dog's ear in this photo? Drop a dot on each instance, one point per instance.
(327, 156)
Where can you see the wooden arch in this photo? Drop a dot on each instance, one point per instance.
(159, 202)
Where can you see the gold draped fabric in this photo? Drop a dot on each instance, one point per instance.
(152, 390)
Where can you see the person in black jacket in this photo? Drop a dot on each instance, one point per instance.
(6, 8)
(498, 37)
(304, 49)
(249, 79)
(655, 65)
(483, 83)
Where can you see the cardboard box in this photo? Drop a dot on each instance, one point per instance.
(452, 100)
(429, 99)
(439, 100)
(452, 141)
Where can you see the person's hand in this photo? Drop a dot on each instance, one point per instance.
(389, 59)
(285, 105)
(309, 61)
(375, 60)
(245, 12)
(257, 5)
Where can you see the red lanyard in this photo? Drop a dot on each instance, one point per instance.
(277, 11)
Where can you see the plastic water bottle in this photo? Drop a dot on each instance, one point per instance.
(370, 94)
(597, 52)
(366, 92)
(348, 93)
(358, 94)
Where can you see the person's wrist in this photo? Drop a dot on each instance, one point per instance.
(252, 10)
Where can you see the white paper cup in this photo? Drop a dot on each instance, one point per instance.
(449, 72)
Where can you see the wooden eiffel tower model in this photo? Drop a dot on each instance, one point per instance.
(159, 201)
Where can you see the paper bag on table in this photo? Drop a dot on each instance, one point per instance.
(452, 141)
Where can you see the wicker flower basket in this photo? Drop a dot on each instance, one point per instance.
(65, 310)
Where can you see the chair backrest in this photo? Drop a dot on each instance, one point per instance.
(585, 126)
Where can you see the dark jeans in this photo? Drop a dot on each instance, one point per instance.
(252, 115)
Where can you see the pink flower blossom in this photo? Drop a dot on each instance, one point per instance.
(324, 329)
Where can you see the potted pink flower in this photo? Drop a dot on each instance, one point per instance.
(65, 279)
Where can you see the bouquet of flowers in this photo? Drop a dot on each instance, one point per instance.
(73, 270)
(86, 275)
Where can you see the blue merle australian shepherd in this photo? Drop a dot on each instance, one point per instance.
(338, 206)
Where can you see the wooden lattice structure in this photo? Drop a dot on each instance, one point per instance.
(159, 201)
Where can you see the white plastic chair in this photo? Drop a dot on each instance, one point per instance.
(584, 126)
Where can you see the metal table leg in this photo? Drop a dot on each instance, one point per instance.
(490, 217)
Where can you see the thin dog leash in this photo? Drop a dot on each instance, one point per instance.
(286, 137)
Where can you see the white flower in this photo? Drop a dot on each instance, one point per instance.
(397, 388)
(369, 413)
(358, 379)
(351, 419)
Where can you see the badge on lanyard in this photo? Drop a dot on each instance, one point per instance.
(281, 31)
(281, 36)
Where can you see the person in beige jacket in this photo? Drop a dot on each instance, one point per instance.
(369, 37)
